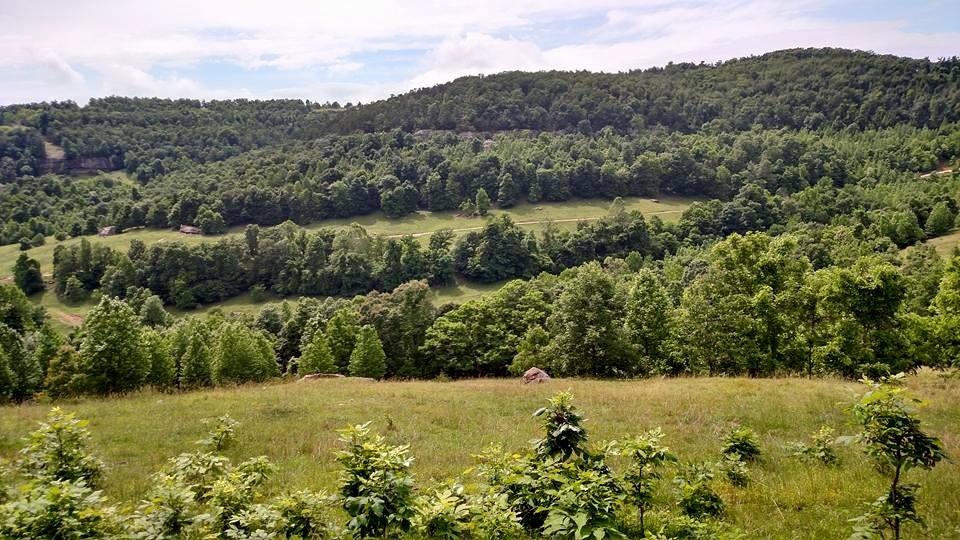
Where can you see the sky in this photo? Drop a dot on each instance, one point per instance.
(362, 50)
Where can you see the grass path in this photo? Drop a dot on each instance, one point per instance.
(293, 424)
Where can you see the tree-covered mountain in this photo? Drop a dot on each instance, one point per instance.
(798, 88)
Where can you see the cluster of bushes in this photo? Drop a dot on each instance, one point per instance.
(562, 487)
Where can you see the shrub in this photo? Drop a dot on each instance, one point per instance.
(562, 423)
(821, 448)
(222, 434)
(585, 503)
(741, 441)
(444, 514)
(301, 514)
(376, 489)
(735, 470)
(58, 451)
(695, 494)
(58, 509)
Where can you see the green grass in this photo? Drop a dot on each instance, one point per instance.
(422, 223)
(444, 423)
(945, 244)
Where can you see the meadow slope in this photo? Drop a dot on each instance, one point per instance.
(293, 424)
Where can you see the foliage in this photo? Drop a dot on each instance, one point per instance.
(647, 455)
(316, 356)
(368, 358)
(222, 434)
(695, 493)
(376, 488)
(26, 275)
(565, 435)
(57, 451)
(741, 442)
(112, 355)
(821, 448)
(892, 436)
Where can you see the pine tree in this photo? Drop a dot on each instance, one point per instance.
(535, 194)
(112, 355)
(316, 357)
(368, 359)
(482, 202)
(507, 194)
(26, 274)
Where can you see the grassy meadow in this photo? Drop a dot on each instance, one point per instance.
(444, 423)
(563, 215)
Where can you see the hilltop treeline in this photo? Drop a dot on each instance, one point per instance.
(794, 89)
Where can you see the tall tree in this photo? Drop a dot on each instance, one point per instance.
(112, 355)
(26, 274)
(367, 358)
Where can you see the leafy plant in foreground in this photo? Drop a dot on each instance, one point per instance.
(376, 488)
(222, 434)
(695, 494)
(58, 451)
(646, 455)
(892, 436)
(562, 422)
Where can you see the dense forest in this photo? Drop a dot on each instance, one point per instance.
(804, 253)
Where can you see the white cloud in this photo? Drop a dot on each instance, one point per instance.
(341, 49)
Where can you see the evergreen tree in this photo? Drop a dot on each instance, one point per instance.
(26, 274)
(316, 357)
(535, 194)
(367, 358)
(112, 355)
(482, 202)
(507, 194)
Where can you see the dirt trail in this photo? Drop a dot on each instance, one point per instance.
(529, 222)
(938, 172)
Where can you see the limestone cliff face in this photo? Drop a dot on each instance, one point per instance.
(75, 166)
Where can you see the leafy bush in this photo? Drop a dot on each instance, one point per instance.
(743, 442)
(646, 455)
(562, 423)
(221, 435)
(58, 451)
(444, 514)
(893, 437)
(695, 494)
(376, 488)
(821, 448)
(735, 470)
(54, 509)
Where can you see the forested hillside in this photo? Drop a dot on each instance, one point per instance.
(795, 89)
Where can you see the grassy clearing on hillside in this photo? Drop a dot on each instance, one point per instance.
(65, 316)
(293, 424)
(669, 209)
(945, 244)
